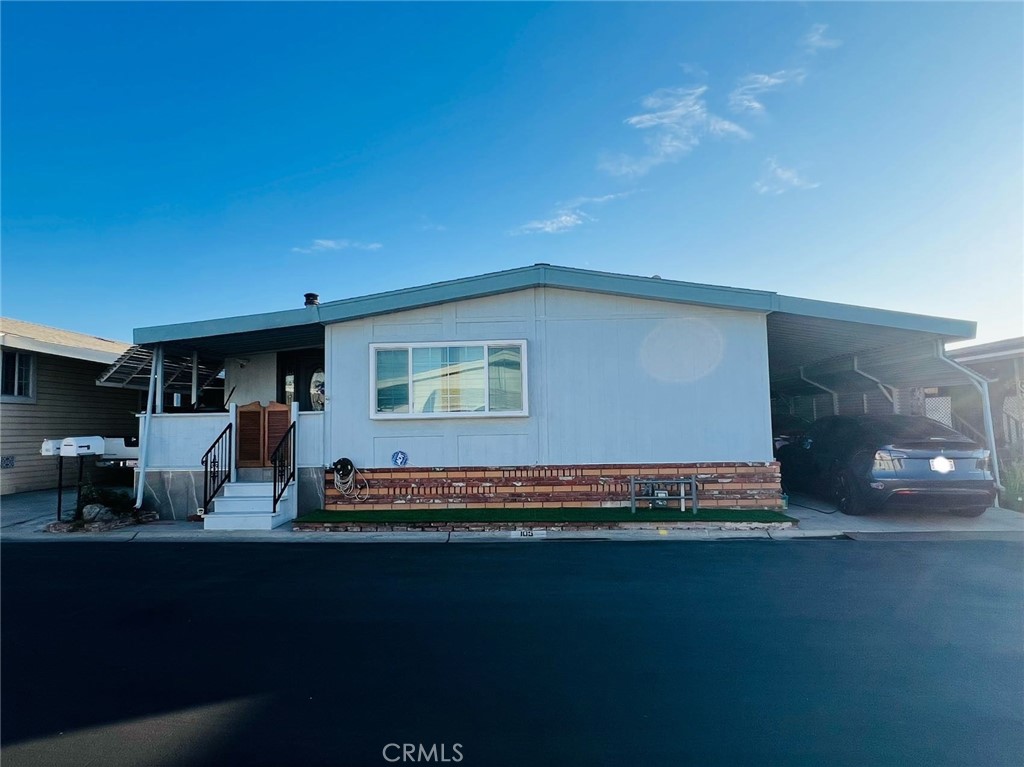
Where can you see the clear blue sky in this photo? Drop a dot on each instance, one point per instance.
(173, 162)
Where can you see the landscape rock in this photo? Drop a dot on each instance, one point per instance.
(92, 512)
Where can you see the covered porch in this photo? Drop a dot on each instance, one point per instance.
(233, 429)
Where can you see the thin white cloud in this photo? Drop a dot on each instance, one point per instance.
(777, 179)
(568, 215)
(815, 39)
(562, 222)
(427, 225)
(319, 246)
(746, 96)
(694, 70)
(676, 121)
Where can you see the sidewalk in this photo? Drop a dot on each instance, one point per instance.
(23, 517)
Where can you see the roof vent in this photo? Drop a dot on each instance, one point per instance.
(312, 299)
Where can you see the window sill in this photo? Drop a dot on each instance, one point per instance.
(12, 399)
(442, 416)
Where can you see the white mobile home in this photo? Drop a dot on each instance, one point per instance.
(561, 381)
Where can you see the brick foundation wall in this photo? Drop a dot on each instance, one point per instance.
(720, 485)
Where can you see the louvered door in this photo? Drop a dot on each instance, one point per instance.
(277, 418)
(259, 430)
(250, 435)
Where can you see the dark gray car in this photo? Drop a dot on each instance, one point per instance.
(889, 461)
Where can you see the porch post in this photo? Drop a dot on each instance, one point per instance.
(233, 420)
(144, 442)
(195, 379)
(158, 363)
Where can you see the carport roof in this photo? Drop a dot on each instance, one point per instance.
(801, 330)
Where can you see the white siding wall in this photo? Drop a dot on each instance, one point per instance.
(178, 440)
(610, 380)
(256, 382)
(309, 449)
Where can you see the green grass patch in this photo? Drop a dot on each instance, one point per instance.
(542, 515)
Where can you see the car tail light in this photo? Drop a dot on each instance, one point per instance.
(983, 462)
(886, 460)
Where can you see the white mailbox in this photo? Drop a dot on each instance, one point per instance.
(50, 447)
(72, 447)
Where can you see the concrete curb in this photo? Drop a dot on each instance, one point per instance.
(143, 535)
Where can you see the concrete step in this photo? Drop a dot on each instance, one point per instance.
(246, 504)
(249, 489)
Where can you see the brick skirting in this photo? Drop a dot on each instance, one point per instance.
(510, 527)
(720, 485)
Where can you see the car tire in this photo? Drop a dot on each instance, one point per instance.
(971, 511)
(845, 494)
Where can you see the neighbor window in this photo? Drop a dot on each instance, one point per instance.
(16, 378)
(429, 380)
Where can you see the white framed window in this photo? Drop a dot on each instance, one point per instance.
(450, 380)
(18, 377)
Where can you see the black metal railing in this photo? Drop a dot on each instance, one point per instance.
(283, 461)
(216, 466)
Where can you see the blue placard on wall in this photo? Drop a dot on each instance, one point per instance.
(399, 458)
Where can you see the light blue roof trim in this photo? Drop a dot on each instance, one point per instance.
(943, 326)
(226, 325)
(543, 275)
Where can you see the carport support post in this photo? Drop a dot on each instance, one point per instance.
(884, 389)
(981, 384)
(990, 432)
(835, 396)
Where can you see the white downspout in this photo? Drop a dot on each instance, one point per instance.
(981, 384)
(144, 442)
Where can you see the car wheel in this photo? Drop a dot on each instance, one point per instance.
(845, 494)
(971, 511)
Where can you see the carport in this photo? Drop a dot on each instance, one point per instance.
(834, 359)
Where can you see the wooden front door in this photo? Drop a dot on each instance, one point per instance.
(259, 430)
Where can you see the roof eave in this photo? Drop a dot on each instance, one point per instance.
(250, 323)
(58, 350)
(947, 328)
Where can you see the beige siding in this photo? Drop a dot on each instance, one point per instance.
(68, 403)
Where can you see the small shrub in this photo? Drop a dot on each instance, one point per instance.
(118, 501)
(1012, 476)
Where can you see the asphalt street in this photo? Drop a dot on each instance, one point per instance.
(535, 653)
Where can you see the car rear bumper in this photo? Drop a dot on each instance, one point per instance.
(961, 494)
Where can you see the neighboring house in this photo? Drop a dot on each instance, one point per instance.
(568, 380)
(49, 391)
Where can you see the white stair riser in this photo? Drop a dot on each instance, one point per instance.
(238, 489)
(244, 505)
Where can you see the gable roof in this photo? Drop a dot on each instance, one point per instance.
(296, 323)
(28, 336)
